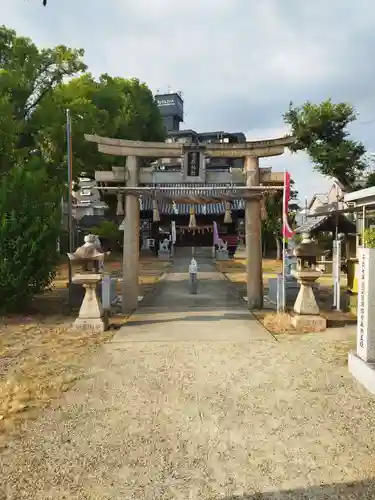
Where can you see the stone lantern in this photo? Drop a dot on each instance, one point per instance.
(306, 310)
(91, 258)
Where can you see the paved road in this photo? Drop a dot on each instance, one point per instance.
(193, 399)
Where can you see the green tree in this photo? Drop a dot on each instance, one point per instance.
(29, 227)
(111, 107)
(36, 88)
(109, 235)
(321, 131)
(28, 76)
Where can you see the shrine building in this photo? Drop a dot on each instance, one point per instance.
(202, 171)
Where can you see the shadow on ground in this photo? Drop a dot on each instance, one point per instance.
(198, 317)
(361, 490)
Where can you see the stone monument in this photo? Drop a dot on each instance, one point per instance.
(306, 310)
(291, 284)
(91, 259)
(362, 361)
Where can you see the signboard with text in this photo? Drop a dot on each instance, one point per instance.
(194, 165)
(170, 105)
(366, 305)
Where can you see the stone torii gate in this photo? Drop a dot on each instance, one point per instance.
(134, 150)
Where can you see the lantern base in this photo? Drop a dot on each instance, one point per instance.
(91, 312)
(94, 325)
(308, 322)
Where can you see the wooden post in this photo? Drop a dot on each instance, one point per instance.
(253, 238)
(130, 265)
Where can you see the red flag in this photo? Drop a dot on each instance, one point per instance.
(287, 232)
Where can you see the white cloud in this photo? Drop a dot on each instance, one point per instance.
(238, 62)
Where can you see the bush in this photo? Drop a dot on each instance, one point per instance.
(369, 238)
(30, 221)
(106, 229)
(109, 234)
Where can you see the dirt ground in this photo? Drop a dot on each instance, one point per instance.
(210, 420)
(41, 357)
(210, 416)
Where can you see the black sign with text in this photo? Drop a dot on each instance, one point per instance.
(193, 160)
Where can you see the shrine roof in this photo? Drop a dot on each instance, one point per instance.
(167, 208)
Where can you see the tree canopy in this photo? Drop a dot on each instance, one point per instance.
(321, 131)
(37, 86)
(112, 107)
(28, 76)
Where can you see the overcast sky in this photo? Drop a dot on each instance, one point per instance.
(237, 62)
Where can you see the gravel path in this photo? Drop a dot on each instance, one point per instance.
(161, 415)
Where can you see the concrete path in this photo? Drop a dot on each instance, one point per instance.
(194, 400)
(172, 313)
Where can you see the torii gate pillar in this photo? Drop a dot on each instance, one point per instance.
(130, 264)
(253, 238)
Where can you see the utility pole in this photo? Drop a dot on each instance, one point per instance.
(70, 218)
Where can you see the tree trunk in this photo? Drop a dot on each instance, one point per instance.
(278, 248)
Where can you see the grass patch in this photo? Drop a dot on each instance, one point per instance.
(39, 361)
(276, 323)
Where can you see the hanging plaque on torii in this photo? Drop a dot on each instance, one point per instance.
(193, 163)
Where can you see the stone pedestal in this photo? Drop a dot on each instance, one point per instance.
(107, 291)
(305, 302)
(130, 267)
(222, 255)
(77, 294)
(164, 255)
(253, 238)
(90, 315)
(305, 307)
(312, 322)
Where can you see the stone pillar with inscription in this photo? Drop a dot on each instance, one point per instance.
(362, 362)
(253, 237)
(130, 266)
